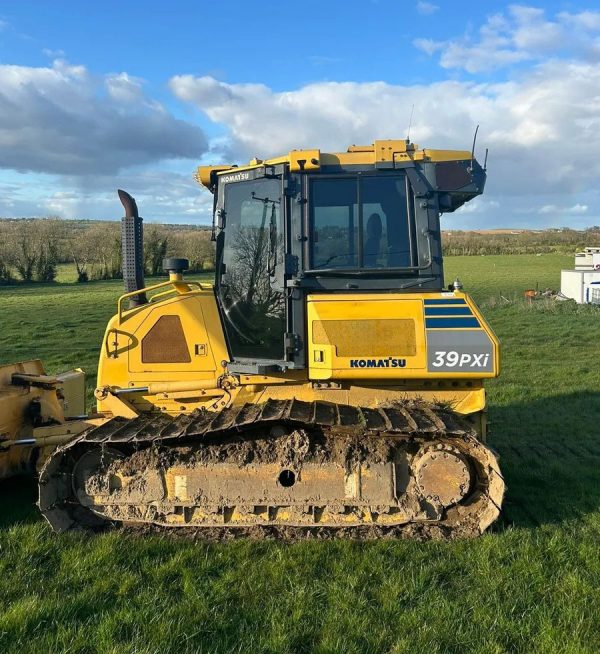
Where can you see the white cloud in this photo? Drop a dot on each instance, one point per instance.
(428, 46)
(479, 205)
(588, 20)
(53, 54)
(521, 34)
(162, 196)
(125, 89)
(88, 135)
(61, 119)
(575, 210)
(534, 127)
(4, 25)
(542, 128)
(426, 8)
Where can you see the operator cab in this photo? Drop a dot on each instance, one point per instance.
(362, 221)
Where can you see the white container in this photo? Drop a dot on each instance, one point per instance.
(583, 286)
(589, 259)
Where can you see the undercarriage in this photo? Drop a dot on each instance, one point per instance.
(287, 465)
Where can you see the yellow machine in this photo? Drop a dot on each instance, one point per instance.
(328, 380)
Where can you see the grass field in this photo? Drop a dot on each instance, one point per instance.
(532, 584)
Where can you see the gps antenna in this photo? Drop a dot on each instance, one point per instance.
(410, 123)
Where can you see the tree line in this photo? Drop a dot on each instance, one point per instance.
(32, 249)
(547, 241)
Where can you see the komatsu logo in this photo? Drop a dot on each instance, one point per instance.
(237, 177)
(390, 362)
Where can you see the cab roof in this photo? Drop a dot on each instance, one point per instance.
(384, 151)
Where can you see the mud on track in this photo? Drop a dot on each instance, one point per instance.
(286, 433)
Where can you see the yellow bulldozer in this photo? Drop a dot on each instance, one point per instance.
(328, 382)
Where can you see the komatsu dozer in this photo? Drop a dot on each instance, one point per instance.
(328, 383)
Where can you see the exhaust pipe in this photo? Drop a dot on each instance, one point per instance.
(132, 242)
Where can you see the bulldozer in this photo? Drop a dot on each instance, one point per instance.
(327, 383)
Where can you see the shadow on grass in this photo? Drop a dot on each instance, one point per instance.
(550, 457)
(18, 497)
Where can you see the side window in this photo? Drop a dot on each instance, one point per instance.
(253, 248)
(334, 223)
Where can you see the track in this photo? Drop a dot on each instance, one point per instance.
(286, 469)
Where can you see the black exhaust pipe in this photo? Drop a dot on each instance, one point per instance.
(132, 241)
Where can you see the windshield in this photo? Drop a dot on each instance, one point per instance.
(361, 222)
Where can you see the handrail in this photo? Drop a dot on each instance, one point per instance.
(171, 290)
(154, 287)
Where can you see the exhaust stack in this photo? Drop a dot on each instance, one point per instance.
(132, 240)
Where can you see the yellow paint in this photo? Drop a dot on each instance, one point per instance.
(334, 322)
(305, 161)
(121, 364)
(404, 310)
(340, 327)
(364, 337)
(383, 151)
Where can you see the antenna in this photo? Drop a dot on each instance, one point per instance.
(410, 123)
(485, 160)
(473, 148)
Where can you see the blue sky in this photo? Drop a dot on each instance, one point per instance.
(136, 94)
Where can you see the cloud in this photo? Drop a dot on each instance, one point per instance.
(534, 126)
(62, 120)
(588, 20)
(519, 35)
(426, 8)
(162, 196)
(575, 210)
(4, 25)
(428, 46)
(53, 54)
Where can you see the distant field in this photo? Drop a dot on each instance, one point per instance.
(488, 277)
(530, 585)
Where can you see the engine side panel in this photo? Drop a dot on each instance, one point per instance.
(177, 339)
(399, 336)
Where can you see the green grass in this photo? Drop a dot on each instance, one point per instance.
(532, 584)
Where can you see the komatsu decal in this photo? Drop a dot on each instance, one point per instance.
(236, 177)
(390, 362)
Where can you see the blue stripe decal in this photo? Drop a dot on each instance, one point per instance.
(446, 300)
(452, 323)
(448, 311)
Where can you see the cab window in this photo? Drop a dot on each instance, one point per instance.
(361, 222)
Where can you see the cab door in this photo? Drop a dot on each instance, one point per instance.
(251, 250)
